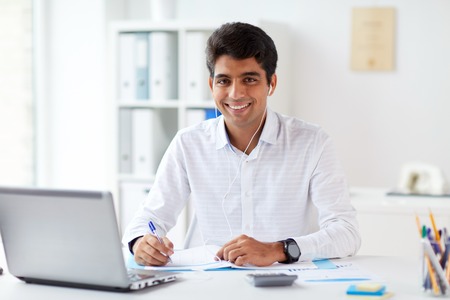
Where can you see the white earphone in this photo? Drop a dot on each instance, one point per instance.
(270, 90)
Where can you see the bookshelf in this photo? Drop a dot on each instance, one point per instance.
(159, 84)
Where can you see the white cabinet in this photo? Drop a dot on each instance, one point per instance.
(160, 85)
(388, 223)
(135, 192)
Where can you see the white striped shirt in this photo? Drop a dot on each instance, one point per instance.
(290, 186)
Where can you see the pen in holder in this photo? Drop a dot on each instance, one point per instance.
(435, 246)
(435, 268)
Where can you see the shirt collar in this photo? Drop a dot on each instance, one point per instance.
(268, 135)
(271, 128)
(221, 134)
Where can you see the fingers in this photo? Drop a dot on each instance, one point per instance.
(237, 256)
(234, 249)
(149, 251)
(168, 243)
(241, 260)
(246, 250)
(222, 253)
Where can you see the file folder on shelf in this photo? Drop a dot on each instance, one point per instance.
(125, 141)
(163, 62)
(141, 65)
(127, 88)
(142, 142)
(197, 88)
(152, 131)
(133, 65)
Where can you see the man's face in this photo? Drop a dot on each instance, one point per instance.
(240, 91)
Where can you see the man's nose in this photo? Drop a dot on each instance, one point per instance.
(237, 90)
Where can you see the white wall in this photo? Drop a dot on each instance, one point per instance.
(72, 98)
(379, 120)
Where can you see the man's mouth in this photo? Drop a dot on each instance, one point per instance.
(237, 107)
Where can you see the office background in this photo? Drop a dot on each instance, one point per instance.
(378, 120)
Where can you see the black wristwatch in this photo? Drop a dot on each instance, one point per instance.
(291, 250)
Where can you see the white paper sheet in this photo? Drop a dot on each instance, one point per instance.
(204, 258)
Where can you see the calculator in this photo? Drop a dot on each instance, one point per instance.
(271, 279)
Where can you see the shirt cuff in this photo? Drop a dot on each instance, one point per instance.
(132, 242)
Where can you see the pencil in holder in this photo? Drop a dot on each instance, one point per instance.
(435, 267)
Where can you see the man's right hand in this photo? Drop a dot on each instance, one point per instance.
(148, 251)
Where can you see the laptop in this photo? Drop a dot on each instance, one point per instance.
(67, 238)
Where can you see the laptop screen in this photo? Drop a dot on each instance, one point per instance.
(56, 235)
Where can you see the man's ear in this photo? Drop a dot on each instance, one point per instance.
(210, 83)
(272, 85)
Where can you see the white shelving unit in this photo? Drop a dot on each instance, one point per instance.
(171, 115)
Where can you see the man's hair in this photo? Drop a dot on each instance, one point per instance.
(241, 41)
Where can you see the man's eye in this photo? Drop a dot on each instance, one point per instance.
(222, 81)
(250, 80)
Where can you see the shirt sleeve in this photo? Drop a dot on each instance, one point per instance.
(167, 197)
(338, 235)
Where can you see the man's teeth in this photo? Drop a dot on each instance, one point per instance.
(238, 107)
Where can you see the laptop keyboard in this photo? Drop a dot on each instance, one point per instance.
(134, 276)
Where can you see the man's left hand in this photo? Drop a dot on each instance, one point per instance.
(246, 250)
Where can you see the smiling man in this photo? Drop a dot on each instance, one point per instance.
(240, 89)
(265, 187)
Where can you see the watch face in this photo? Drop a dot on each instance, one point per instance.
(293, 250)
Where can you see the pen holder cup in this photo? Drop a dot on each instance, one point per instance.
(435, 267)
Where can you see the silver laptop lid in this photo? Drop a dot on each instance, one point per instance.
(62, 236)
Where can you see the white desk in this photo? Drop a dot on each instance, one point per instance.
(401, 276)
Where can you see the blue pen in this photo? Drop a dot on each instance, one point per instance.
(155, 233)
